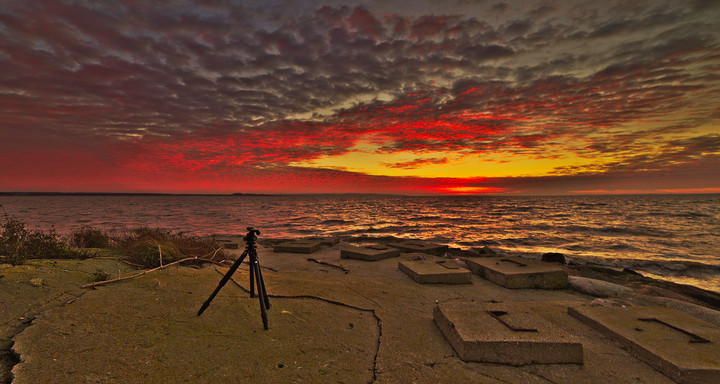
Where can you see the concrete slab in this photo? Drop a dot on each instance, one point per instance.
(372, 324)
(420, 246)
(102, 337)
(435, 271)
(504, 333)
(298, 246)
(368, 252)
(684, 348)
(517, 272)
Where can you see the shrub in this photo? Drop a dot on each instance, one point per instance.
(100, 275)
(143, 245)
(89, 237)
(140, 246)
(19, 243)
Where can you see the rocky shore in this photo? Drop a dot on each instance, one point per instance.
(332, 319)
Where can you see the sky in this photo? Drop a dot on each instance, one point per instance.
(534, 97)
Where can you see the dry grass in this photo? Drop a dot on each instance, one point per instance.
(144, 247)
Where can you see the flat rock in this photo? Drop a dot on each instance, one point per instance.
(368, 252)
(420, 246)
(298, 246)
(684, 348)
(518, 272)
(435, 271)
(505, 334)
(597, 288)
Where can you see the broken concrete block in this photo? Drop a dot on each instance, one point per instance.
(518, 272)
(419, 246)
(329, 241)
(435, 271)
(369, 252)
(684, 348)
(504, 334)
(229, 242)
(298, 246)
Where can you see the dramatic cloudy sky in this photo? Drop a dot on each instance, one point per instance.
(413, 96)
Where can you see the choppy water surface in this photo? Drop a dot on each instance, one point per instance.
(676, 237)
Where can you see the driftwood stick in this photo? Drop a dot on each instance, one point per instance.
(145, 272)
(340, 267)
(212, 254)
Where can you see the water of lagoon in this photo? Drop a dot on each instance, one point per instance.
(675, 237)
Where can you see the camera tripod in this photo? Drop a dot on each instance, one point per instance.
(255, 276)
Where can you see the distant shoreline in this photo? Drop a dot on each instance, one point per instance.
(187, 194)
(126, 194)
(327, 194)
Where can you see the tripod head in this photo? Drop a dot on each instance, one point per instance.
(251, 236)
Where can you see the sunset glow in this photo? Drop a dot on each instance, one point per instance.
(411, 97)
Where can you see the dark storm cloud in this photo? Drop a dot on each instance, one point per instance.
(218, 84)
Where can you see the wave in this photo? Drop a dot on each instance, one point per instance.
(681, 215)
(634, 231)
(337, 222)
(423, 218)
(638, 231)
(478, 243)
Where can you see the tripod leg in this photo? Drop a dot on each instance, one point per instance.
(224, 280)
(253, 260)
(261, 285)
(261, 294)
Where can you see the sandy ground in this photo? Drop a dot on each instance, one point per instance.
(371, 324)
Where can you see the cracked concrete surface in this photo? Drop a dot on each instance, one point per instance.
(373, 324)
(29, 290)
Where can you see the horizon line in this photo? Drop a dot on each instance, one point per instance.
(608, 193)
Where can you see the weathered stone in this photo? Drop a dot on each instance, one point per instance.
(684, 348)
(597, 288)
(435, 271)
(611, 302)
(230, 245)
(419, 246)
(517, 272)
(505, 334)
(368, 252)
(631, 271)
(553, 257)
(228, 242)
(485, 251)
(298, 246)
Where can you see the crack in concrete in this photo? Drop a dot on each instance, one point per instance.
(9, 358)
(334, 302)
(536, 374)
(361, 295)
